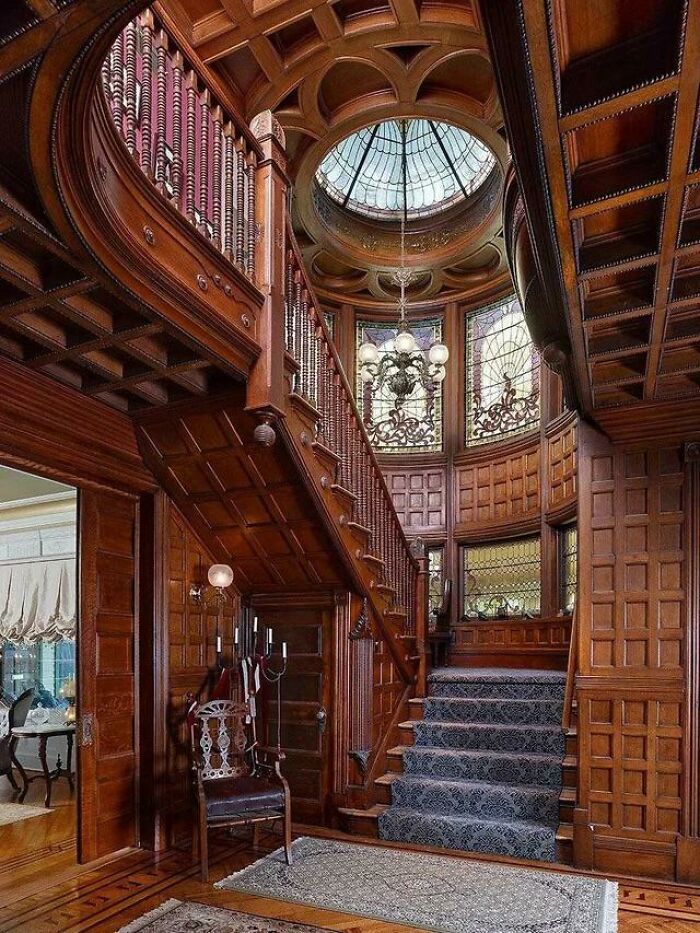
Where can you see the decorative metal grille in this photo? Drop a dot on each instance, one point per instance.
(436, 578)
(503, 383)
(502, 580)
(419, 167)
(416, 423)
(568, 567)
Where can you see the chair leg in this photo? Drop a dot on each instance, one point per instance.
(203, 849)
(288, 832)
(256, 836)
(11, 778)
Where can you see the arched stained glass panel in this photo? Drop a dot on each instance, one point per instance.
(503, 390)
(421, 165)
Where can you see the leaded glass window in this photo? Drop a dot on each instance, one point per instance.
(568, 567)
(501, 580)
(417, 166)
(412, 423)
(329, 318)
(502, 366)
(436, 578)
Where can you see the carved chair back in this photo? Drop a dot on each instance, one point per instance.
(219, 740)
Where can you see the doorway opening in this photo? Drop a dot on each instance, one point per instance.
(38, 666)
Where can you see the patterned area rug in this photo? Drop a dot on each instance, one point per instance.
(14, 812)
(431, 892)
(485, 772)
(190, 917)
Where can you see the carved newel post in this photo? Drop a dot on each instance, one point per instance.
(266, 385)
(419, 554)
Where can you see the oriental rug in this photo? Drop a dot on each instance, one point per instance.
(14, 812)
(192, 917)
(431, 892)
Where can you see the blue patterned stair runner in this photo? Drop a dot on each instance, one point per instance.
(485, 772)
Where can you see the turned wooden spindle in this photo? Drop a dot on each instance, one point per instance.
(161, 106)
(240, 204)
(130, 44)
(251, 229)
(177, 63)
(147, 28)
(217, 173)
(204, 136)
(117, 68)
(191, 145)
(229, 208)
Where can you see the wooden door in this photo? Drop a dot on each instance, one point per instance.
(107, 699)
(305, 703)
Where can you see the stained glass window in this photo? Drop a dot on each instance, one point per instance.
(436, 577)
(502, 366)
(329, 318)
(420, 166)
(396, 425)
(502, 580)
(568, 567)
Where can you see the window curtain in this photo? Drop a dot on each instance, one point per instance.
(37, 601)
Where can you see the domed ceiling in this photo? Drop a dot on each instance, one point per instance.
(346, 79)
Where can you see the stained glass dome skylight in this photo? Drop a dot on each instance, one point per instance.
(416, 166)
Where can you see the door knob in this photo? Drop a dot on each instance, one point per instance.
(321, 719)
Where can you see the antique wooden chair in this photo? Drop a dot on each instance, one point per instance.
(17, 717)
(235, 785)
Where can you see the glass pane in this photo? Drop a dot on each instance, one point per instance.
(437, 164)
(502, 580)
(502, 366)
(394, 425)
(436, 577)
(568, 567)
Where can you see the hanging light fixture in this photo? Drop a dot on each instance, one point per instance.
(406, 365)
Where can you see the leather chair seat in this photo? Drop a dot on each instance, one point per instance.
(228, 797)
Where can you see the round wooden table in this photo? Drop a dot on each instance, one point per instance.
(43, 733)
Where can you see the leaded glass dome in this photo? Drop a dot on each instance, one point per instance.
(418, 166)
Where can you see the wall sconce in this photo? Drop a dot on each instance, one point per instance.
(220, 577)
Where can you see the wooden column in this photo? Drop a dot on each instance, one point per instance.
(266, 385)
(421, 596)
(688, 857)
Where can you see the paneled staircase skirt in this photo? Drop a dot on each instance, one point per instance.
(485, 772)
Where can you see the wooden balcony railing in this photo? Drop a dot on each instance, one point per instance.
(321, 381)
(198, 155)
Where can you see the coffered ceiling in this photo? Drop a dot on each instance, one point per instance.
(328, 68)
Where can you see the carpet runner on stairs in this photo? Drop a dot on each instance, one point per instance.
(485, 772)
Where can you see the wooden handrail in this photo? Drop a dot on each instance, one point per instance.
(571, 672)
(322, 381)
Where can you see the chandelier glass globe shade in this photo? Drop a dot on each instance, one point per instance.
(220, 575)
(368, 353)
(405, 342)
(438, 354)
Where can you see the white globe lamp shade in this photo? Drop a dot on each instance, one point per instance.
(405, 342)
(366, 375)
(368, 353)
(220, 575)
(439, 374)
(438, 354)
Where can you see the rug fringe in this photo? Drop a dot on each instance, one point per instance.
(152, 915)
(235, 874)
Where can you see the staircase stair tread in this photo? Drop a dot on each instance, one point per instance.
(374, 810)
(525, 788)
(470, 820)
(470, 726)
(472, 753)
(565, 831)
(495, 675)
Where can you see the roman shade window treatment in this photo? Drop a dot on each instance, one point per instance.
(38, 601)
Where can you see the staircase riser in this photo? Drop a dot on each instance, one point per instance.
(485, 737)
(496, 838)
(483, 801)
(505, 712)
(494, 691)
(514, 770)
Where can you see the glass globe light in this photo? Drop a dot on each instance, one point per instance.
(405, 342)
(439, 374)
(438, 354)
(220, 575)
(368, 353)
(366, 374)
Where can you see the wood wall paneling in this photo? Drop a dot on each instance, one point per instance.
(108, 696)
(537, 643)
(561, 457)
(418, 494)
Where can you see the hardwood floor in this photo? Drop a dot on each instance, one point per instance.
(40, 836)
(54, 894)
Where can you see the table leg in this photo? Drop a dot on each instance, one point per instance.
(45, 766)
(22, 773)
(69, 759)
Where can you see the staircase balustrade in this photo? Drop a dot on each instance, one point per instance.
(321, 381)
(199, 156)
